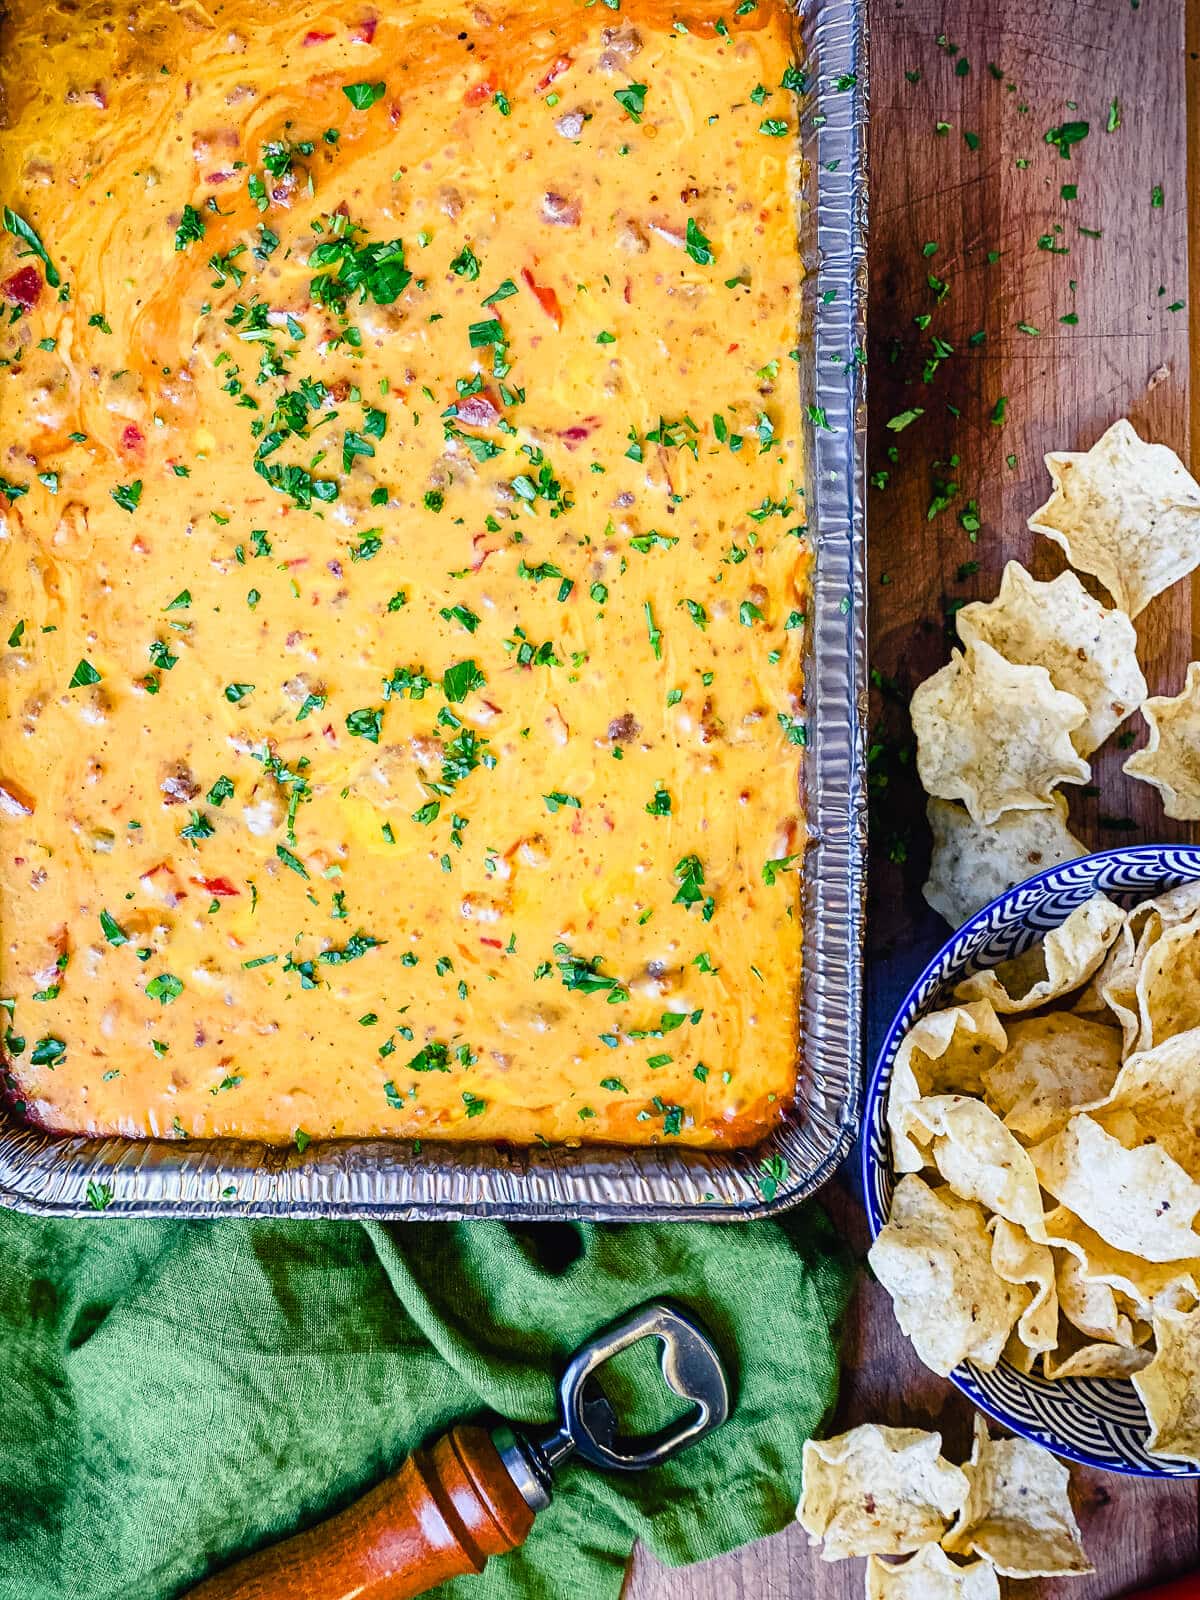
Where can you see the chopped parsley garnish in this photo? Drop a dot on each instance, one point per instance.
(365, 723)
(362, 96)
(433, 1057)
(698, 246)
(585, 976)
(190, 229)
(128, 495)
(165, 988)
(632, 99)
(466, 264)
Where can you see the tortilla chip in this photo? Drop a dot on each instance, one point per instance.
(1170, 908)
(1018, 1515)
(979, 1158)
(1161, 1089)
(1138, 1199)
(1169, 1388)
(1170, 758)
(972, 862)
(995, 736)
(1112, 992)
(1076, 1356)
(878, 1491)
(1087, 649)
(1064, 960)
(1115, 986)
(1092, 1307)
(1146, 1286)
(931, 1575)
(1054, 1066)
(1019, 1259)
(944, 1051)
(1168, 984)
(1126, 511)
(934, 1258)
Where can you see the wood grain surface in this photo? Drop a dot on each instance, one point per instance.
(1019, 69)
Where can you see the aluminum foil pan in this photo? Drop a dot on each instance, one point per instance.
(71, 1176)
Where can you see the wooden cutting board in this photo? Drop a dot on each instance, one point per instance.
(964, 187)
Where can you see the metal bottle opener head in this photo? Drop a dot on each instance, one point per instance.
(587, 1426)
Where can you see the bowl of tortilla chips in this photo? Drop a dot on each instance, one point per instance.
(1031, 1160)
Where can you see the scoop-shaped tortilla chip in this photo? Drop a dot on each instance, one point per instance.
(979, 1158)
(1064, 960)
(1114, 988)
(1170, 758)
(931, 1575)
(1168, 984)
(973, 862)
(1112, 992)
(934, 1258)
(878, 1491)
(1147, 1286)
(946, 1051)
(1019, 1259)
(1088, 650)
(1127, 512)
(1077, 1356)
(1170, 1387)
(1161, 1088)
(1177, 905)
(1136, 1198)
(1055, 1065)
(1092, 1307)
(995, 736)
(1018, 1513)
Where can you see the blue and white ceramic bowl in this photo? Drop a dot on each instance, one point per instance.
(1098, 1421)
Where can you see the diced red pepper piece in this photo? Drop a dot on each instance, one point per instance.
(479, 93)
(221, 887)
(546, 298)
(364, 33)
(557, 68)
(315, 36)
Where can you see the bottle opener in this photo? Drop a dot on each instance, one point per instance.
(474, 1493)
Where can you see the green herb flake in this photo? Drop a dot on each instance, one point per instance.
(165, 988)
(362, 96)
(632, 99)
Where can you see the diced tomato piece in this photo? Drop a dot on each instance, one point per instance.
(24, 287)
(479, 93)
(364, 33)
(496, 944)
(217, 886)
(546, 298)
(557, 68)
(315, 36)
(132, 438)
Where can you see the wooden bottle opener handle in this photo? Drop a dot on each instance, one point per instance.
(449, 1507)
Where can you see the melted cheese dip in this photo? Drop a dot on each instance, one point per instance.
(403, 570)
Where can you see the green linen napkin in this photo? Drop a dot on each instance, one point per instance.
(173, 1394)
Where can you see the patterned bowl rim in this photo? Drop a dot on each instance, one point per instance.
(910, 1009)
